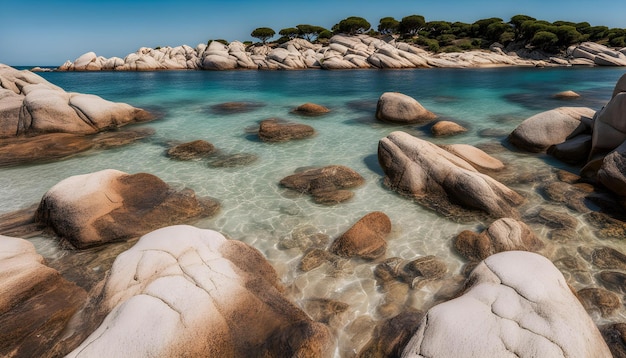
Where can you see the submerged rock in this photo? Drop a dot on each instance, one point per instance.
(36, 303)
(110, 205)
(400, 108)
(200, 294)
(324, 183)
(191, 150)
(311, 109)
(365, 239)
(441, 180)
(273, 130)
(594, 298)
(516, 303)
(236, 107)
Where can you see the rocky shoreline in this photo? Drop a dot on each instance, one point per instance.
(171, 289)
(342, 52)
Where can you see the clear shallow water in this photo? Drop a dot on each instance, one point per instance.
(257, 211)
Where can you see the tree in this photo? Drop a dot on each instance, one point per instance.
(263, 33)
(517, 22)
(531, 27)
(352, 25)
(290, 32)
(567, 35)
(309, 32)
(545, 40)
(410, 25)
(437, 28)
(388, 25)
(479, 28)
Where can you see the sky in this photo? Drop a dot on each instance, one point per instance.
(48, 33)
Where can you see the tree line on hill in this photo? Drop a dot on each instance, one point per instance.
(521, 31)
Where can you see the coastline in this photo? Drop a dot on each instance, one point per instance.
(341, 52)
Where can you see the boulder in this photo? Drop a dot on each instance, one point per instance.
(595, 298)
(612, 172)
(46, 108)
(311, 109)
(478, 159)
(191, 150)
(502, 235)
(273, 130)
(36, 303)
(110, 205)
(400, 108)
(442, 180)
(516, 304)
(447, 128)
(620, 86)
(324, 182)
(609, 125)
(566, 95)
(365, 239)
(181, 291)
(542, 130)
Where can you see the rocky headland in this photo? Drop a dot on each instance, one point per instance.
(341, 52)
(140, 280)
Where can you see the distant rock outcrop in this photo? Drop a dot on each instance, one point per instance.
(341, 52)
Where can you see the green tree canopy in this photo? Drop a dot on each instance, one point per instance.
(388, 25)
(309, 32)
(567, 35)
(545, 40)
(263, 33)
(352, 25)
(479, 28)
(437, 28)
(290, 32)
(410, 25)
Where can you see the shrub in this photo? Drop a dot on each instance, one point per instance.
(431, 44)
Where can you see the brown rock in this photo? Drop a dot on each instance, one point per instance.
(93, 209)
(606, 226)
(365, 239)
(325, 184)
(235, 107)
(191, 150)
(566, 95)
(272, 130)
(36, 303)
(447, 128)
(613, 280)
(400, 108)
(324, 310)
(594, 298)
(315, 258)
(232, 160)
(615, 336)
(608, 258)
(311, 109)
(612, 172)
(392, 335)
(502, 235)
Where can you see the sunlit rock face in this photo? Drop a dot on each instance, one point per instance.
(517, 304)
(183, 291)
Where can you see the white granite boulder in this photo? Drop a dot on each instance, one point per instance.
(539, 132)
(609, 125)
(399, 108)
(30, 105)
(517, 305)
(440, 179)
(187, 292)
(110, 205)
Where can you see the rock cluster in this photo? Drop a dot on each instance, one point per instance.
(39, 121)
(342, 52)
(327, 185)
(579, 135)
(442, 180)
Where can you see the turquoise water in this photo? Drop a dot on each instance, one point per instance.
(257, 211)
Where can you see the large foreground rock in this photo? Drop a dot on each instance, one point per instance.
(110, 205)
(36, 303)
(30, 105)
(544, 129)
(186, 292)
(400, 108)
(440, 179)
(517, 305)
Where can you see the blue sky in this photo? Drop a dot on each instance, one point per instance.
(51, 32)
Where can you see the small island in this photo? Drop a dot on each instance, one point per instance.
(411, 42)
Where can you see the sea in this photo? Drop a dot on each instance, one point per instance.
(255, 209)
